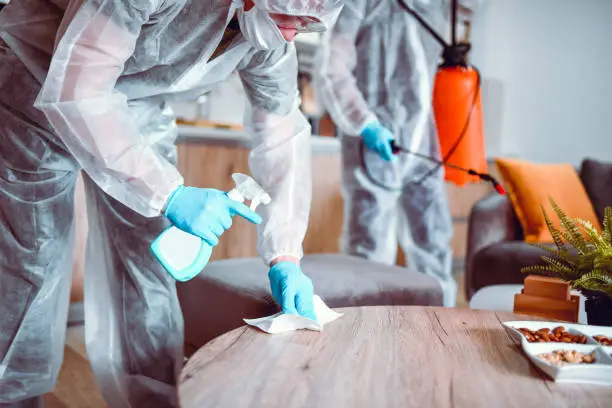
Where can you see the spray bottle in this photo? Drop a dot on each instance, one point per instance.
(184, 255)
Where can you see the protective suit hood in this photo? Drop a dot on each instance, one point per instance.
(260, 29)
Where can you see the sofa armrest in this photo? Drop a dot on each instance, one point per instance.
(492, 220)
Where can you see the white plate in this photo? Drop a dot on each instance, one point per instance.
(600, 372)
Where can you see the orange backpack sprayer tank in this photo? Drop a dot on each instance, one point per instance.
(457, 109)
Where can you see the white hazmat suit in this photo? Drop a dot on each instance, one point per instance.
(378, 63)
(85, 84)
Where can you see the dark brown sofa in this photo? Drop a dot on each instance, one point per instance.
(496, 250)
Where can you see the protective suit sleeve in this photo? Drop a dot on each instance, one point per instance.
(91, 117)
(336, 58)
(281, 156)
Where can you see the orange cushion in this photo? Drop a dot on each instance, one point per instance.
(529, 187)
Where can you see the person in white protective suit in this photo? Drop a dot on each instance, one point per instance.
(85, 84)
(374, 75)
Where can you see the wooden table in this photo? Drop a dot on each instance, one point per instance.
(376, 357)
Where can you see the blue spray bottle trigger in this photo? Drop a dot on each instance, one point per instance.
(184, 255)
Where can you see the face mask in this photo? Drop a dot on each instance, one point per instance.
(259, 29)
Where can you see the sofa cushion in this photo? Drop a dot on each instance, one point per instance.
(502, 262)
(597, 179)
(530, 185)
(229, 290)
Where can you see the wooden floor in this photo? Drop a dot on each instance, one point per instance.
(76, 387)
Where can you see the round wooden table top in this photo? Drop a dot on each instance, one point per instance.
(379, 357)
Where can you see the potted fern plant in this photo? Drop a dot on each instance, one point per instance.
(582, 256)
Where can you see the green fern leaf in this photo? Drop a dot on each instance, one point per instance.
(561, 253)
(595, 238)
(603, 260)
(564, 271)
(538, 270)
(607, 224)
(596, 274)
(554, 231)
(568, 224)
(582, 250)
(595, 280)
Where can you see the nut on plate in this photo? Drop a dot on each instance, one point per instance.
(563, 357)
(606, 341)
(556, 335)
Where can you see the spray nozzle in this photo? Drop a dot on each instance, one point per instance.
(487, 177)
(500, 189)
(248, 189)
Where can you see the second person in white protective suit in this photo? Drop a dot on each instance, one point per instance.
(85, 84)
(374, 75)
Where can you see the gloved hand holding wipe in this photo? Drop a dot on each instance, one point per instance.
(205, 212)
(292, 289)
(378, 138)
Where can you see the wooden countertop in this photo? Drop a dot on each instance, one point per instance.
(227, 137)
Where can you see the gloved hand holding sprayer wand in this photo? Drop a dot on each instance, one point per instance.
(379, 139)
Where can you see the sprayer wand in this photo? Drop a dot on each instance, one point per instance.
(483, 176)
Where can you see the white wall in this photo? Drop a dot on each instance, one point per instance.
(547, 66)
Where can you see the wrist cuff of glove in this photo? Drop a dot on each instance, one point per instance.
(285, 258)
(269, 257)
(285, 265)
(369, 123)
(172, 199)
(370, 127)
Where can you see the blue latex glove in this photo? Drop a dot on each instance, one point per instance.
(205, 212)
(378, 138)
(292, 289)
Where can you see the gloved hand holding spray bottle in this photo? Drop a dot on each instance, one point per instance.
(185, 248)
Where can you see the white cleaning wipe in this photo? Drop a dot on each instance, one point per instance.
(281, 322)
